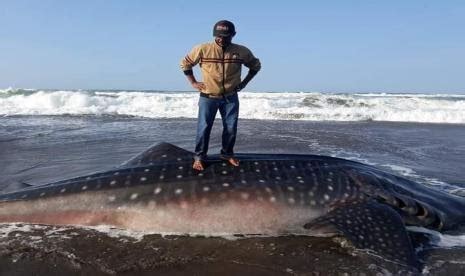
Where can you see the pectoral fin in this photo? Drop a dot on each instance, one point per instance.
(373, 226)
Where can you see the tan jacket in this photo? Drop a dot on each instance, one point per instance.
(221, 70)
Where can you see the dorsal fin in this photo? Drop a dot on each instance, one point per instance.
(159, 152)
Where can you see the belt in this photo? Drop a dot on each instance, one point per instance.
(217, 96)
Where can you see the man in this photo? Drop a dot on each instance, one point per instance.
(221, 62)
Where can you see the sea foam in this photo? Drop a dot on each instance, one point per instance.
(428, 108)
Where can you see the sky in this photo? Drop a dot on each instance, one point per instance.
(366, 46)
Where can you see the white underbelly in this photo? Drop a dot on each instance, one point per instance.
(226, 218)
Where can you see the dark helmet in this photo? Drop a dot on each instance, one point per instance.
(224, 28)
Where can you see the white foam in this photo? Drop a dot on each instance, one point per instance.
(436, 108)
(63, 232)
(409, 173)
(402, 170)
(439, 239)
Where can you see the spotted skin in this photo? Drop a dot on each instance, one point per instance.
(267, 194)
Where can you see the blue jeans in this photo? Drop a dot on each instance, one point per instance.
(229, 111)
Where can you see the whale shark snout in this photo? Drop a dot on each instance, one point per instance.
(269, 194)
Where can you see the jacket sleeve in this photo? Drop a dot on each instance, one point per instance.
(252, 62)
(191, 59)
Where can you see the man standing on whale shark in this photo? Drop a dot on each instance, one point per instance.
(221, 62)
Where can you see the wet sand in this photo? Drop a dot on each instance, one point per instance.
(77, 251)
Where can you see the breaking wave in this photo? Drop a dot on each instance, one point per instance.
(428, 108)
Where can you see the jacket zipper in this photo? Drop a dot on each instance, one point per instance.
(222, 63)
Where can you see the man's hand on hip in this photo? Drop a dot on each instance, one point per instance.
(200, 86)
(239, 87)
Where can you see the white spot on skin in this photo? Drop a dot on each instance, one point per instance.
(164, 156)
(113, 183)
(24, 196)
(111, 198)
(290, 188)
(134, 196)
(179, 176)
(146, 170)
(116, 173)
(225, 184)
(257, 170)
(84, 188)
(63, 190)
(162, 177)
(278, 178)
(268, 190)
(326, 197)
(330, 188)
(143, 179)
(181, 167)
(206, 189)
(224, 172)
(292, 167)
(157, 190)
(200, 174)
(89, 178)
(244, 182)
(42, 194)
(178, 191)
(272, 199)
(261, 181)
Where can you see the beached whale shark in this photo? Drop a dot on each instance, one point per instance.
(269, 194)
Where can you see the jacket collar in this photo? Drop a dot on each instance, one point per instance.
(219, 47)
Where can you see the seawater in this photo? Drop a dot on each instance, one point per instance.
(307, 106)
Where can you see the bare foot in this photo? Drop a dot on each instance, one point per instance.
(198, 165)
(233, 161)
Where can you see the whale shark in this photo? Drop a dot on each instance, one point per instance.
(268, 194)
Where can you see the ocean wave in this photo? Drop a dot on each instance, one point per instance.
(427, 108)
